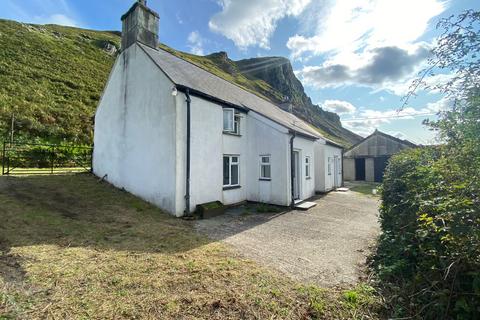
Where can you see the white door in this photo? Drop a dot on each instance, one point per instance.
(335, 171)
(296, 175)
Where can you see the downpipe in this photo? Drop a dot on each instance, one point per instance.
(292, 170)
(187, 175)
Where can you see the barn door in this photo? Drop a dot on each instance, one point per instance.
(360, 169)
(380, 163)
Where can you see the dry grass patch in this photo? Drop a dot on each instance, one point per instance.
(71, 247)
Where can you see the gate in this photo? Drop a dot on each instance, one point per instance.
(31, 158)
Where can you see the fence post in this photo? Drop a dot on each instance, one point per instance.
(3, 156)
(52, 154)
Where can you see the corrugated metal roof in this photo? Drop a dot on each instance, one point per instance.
(184, 73)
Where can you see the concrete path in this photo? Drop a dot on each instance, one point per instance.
(326, 245)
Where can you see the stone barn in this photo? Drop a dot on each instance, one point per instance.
(367, 160)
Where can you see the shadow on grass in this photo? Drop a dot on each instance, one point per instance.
(79, 211)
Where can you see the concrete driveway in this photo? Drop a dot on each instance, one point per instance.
(326, 245)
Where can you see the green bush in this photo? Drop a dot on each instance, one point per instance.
(428, 258)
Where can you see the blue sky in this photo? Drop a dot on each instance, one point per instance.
(354, 57)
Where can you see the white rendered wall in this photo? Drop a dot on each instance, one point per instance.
(134, 142)
(265, 137)
(326, 181)
(208, 144)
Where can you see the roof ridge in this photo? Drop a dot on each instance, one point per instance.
(310, 130)
(232, 83)
(237, 85)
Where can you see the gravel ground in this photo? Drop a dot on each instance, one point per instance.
(326, 245)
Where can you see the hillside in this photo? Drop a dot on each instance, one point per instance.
(51, 78)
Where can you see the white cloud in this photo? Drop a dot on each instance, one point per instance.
(352, 25)
(252, 22)
(366, 121)
(195, 42)
(42, 12)
(338, 106)
(57, 18)
(373, 43)
(388, 68)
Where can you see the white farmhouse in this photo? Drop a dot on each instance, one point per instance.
(178, 136)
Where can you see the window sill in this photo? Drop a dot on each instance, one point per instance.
(232, 134)
(231, 187)
(265, 179)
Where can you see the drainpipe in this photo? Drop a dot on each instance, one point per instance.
(187, 176)
(292, 169)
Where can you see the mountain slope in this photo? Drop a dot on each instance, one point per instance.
(278, 72)
(51, 78)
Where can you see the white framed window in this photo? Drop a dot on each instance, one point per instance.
(228, 119)
(265, 168)
(329, 166)
(231, 170)
(339, 165)
(307, 167)
(236, 123)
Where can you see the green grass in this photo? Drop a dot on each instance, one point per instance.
(73, 247)
(365, 187)
(51, 78)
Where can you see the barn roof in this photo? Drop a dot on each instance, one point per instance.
(185, 74)
(378, 144)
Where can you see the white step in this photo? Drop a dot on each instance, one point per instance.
(305, 205)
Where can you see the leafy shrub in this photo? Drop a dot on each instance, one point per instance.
(428, 257)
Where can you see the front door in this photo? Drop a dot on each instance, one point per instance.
(296, 175)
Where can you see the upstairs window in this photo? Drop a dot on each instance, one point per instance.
(231, 172)
(231, 121)
(307, 167)
(228, 119)
(265, 168)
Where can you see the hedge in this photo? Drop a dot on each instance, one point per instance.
(428, 258)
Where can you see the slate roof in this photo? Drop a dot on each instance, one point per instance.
(186, 74)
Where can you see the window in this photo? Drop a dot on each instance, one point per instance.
(307, 167)
(329, 166)
(339, 165)
(231, 171)
(231, 121)
(265, 169)
(236, 123)
(228, 119)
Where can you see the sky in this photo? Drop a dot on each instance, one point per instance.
(354, 57)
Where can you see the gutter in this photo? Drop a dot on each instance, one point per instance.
(187, 175)
(292, 169)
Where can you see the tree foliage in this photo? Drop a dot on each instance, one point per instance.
(428, 258)
(456, 55)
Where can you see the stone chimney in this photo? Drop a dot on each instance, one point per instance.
(140, 23)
